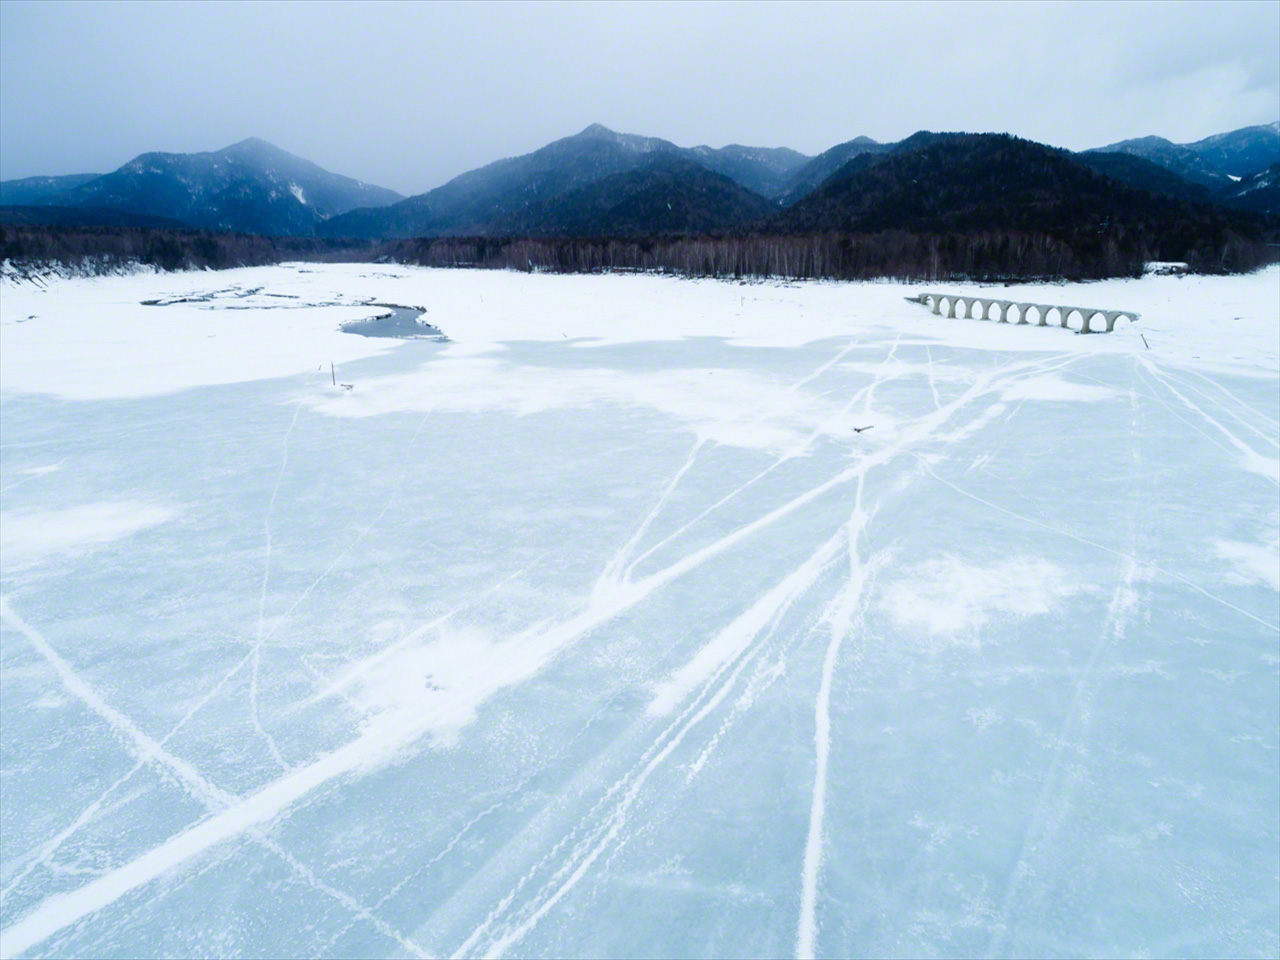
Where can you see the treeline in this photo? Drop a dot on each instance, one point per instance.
(978, 256)
(983, 256)
(101, 250)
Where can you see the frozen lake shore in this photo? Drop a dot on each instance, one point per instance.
(600, 630)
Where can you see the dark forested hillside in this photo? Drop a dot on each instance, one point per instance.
(1183, 161)
(468, 202)
(1214, 161)
(666, 194)
(998, 184)
(1142, 174)
(976, 206)
(480, 200)
(31, 248)
(600, 182)
(84, 217)
(250, 187)
(33, 190)
(767, 171)
(1258, 193)
(808, 177)
(1241, 152)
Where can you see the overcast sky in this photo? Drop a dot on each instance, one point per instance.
(409, 95)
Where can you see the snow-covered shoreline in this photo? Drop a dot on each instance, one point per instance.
(81, 338)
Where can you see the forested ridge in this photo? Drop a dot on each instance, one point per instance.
(934, 206)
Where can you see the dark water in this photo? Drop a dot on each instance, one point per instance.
(392, 320)
(404, 323)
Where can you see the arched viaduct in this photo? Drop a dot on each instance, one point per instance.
(984, 308)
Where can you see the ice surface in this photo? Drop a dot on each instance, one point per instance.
(600, 631)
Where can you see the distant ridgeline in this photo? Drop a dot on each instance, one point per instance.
(933, 206)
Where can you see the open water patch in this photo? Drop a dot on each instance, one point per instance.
(400, 322)
(397, 321)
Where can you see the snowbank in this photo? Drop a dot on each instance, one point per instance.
(83, 338)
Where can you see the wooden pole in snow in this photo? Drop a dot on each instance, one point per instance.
(332, 376)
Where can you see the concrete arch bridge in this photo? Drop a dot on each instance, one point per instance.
(1003, 311)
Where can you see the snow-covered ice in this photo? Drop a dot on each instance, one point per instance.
(599, 630)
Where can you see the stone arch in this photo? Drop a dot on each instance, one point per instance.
(1023, 310)
(1113, 315)
(1088, 315)
(1085, 314)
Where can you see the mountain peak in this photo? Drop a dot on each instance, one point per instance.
(251, 186)
(254, 147)
(598, 130)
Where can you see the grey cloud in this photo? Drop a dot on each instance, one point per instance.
(407, 96)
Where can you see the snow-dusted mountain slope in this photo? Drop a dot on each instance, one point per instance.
(251, 187)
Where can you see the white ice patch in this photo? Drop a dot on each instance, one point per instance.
(297, 192)
(731, 407)
(730, 642)
(27, 537)
(1251, 562)
(474, 348)
(952, 598)
(89, 338)
(92, 339)
(1050, 387)
(898, 369)
(442, 680)
(1263, 466)
(43, 471)
(962, 433)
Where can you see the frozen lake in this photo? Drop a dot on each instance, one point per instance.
(600, 631)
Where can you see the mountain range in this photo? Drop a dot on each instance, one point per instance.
(989, 183)
(603, 183)
(248, 187)
(1213, 160)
